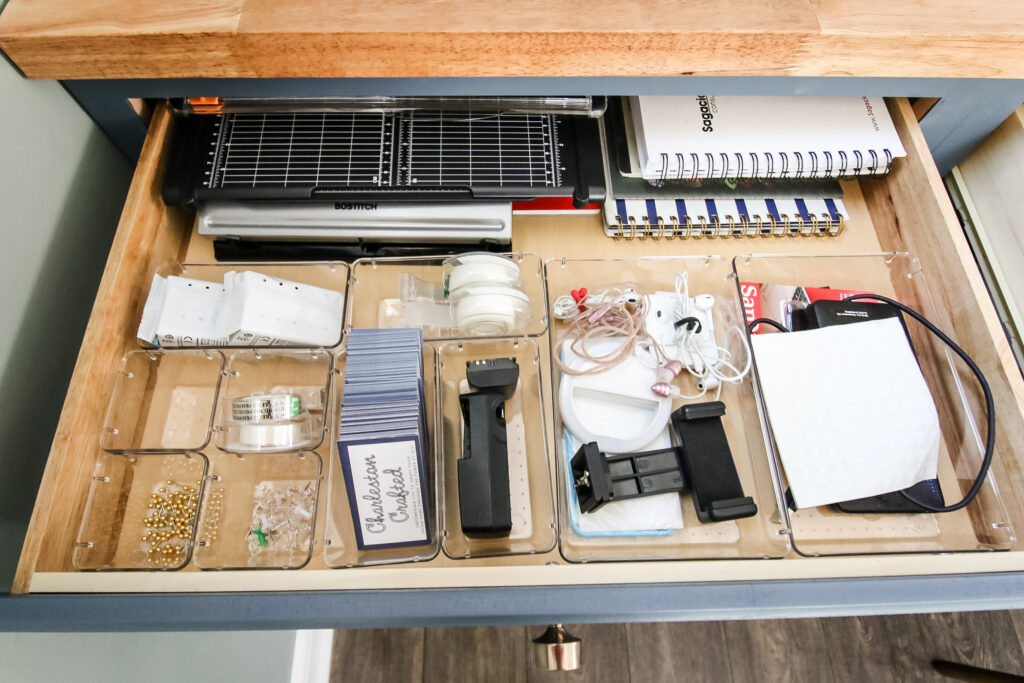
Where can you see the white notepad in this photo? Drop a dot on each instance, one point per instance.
(849, 409)
(763, 137)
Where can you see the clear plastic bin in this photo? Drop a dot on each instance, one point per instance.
(982, 525)
(163, 401)
(413, 292)
(328, 275)
(141, 512)
(533, 510)
(273, 401)
(259, 511)
(761, 536)
(340, 547)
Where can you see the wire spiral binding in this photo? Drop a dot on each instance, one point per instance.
(727, 226)
(844, 163)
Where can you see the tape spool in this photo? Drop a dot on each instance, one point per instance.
(260, 436)
(266, 407)
(490, 311)
(481, 269)
(268, 422)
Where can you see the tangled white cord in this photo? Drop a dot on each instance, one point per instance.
(618, 311)
(710, 370)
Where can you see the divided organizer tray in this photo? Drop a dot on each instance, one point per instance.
(982, 525)
(762, 536)
(301, 374)
(163, 401)
(340, 548)
(330, 275)
(376, 294)
(533, 509)
(272, 494)
(141, 511)
(171, 486)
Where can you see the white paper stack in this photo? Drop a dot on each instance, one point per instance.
(850, 410)
(249, 309)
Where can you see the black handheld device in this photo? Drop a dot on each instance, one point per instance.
(485, 507)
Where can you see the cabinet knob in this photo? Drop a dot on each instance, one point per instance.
(556, 650)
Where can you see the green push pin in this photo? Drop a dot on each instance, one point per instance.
(260, 537)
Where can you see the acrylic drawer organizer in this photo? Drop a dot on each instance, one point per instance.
(141, 511)
(329, 275)
(163, 401)
(340, 548)
(761, 536)
(259, 511)
(533, 510)
(381, 289)
(254, 379)
(982, 525)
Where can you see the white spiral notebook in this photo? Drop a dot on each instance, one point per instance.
(700, 136)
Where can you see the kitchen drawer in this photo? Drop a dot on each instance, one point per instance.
(906, 210)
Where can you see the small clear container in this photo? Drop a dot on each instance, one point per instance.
(141, 512)
(340, 545)
(654, 535)
(982, 525)
(533, 508)
(329, 275)
(163, 401)
(494, 295)
(273, 401)
(259, 511)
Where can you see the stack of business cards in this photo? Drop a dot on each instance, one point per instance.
(382, 439)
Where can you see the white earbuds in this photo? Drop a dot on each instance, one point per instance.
(703, 302)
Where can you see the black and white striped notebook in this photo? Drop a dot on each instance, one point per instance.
(724, 217)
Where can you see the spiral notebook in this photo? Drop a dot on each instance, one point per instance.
(739, 217)
(706, 136)
(745, 207)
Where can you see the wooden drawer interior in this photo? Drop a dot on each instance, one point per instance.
(905, 211)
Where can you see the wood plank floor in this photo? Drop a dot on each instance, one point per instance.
(888, 648)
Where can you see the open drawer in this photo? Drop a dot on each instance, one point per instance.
(905, 211)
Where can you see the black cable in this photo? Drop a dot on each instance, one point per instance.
(690, 323)
(767, 321)
(990, 410)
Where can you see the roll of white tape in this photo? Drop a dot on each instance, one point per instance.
(490, 311)
(256, 437)
(483, 270)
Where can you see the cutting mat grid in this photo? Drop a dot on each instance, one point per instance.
(366, 149)
(455, 149)
(252, 150)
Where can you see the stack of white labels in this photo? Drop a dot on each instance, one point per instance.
(248, 309)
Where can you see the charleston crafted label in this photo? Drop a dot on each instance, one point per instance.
(387, 491)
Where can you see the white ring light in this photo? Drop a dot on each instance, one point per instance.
(616, 407)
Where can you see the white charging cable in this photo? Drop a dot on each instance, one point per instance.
(706, 360)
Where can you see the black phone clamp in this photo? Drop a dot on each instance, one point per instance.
(702, 464)
(485, 506)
